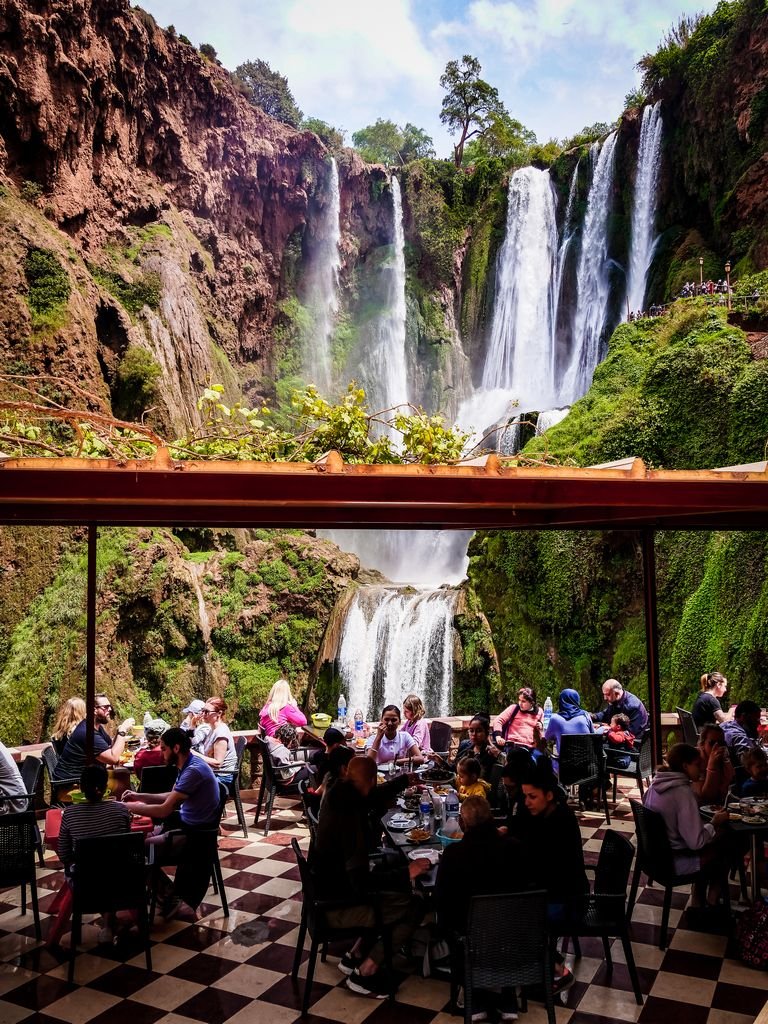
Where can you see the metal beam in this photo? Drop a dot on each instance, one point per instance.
(90, 643)
(652, 643)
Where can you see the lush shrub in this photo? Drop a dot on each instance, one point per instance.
(49, 289)
(31, 191)
(136, 383)
(132, 295)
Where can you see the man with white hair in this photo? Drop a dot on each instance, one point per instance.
(622, 702)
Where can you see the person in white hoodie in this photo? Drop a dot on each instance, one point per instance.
(670, 794)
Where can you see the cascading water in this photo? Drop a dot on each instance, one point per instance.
(323, 287)
(384, 370)
(568, 231)
(593, 276)
(396, 643)
(548, 418)
(644, 206)
(520, 360)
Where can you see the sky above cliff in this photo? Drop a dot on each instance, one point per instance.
(558, 64)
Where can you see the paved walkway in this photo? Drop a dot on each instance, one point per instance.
(237, 970)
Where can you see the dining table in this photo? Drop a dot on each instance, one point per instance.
(757, 830)
(398, 839)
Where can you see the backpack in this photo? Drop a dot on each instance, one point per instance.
(752, 935)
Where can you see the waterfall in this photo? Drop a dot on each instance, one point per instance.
(644, 206)
(384, 370)
(593, 275)
(396, 643)
(196, 570)
(568, 231)
(421, 557)
(323, 287)
(549, 417)
(520, 355)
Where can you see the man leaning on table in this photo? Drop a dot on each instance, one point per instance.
(622, 702)
(106, 750)
(192, 804)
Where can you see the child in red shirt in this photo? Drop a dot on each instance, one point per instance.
(619, 738)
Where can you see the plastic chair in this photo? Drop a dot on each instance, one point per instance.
(581, 762)
(234, 786)
(158, 778)
(18, 841)
(31, 769)
(640, 766)
(199, 846)
(604, 912)
(440, 737)
(690, 730)
(508, 945)
(271, 785)
(109, 875)
(655, 857)
(314, 921)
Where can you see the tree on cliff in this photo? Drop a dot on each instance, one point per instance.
(387, 143)
(505, 139)
(470, 105)
(268, 90)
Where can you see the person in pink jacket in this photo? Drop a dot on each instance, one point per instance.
(280, 708)
(520, 724)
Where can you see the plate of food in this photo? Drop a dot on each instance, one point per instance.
(401, 822)
(436, 775)
(708, 810)
(433, 856)
(754, 819)
(734, 816)
(419, 835)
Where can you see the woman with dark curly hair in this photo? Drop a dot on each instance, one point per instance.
(519, 725)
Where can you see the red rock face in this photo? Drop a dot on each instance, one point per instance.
(123, 125)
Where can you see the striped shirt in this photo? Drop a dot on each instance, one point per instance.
(81, 821)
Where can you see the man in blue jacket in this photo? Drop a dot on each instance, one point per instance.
(622, 702)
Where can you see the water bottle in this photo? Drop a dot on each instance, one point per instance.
(451, 813)
(359, 723)
(547, 714)
(341, 709)
(425, 810)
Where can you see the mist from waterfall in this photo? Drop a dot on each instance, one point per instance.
(593, 275)
(396, 643)
(644, 206)
(322, 287)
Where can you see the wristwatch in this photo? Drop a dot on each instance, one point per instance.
(122, 732)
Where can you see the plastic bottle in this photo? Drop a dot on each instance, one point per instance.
(547, 714)
(341, 709)
(451, 813)
(425, 810)
(359, 723)
(438, 810)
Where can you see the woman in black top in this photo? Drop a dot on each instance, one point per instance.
(479, 746)
(707, 708)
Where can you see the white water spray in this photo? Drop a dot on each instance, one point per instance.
(644, 206)
(324, 286)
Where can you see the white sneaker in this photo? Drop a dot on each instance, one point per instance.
(507, 1015)
(479, 1016)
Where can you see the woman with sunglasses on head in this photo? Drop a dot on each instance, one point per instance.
(520, 724)
(219, 745)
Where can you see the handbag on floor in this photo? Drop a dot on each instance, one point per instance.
(752, 935)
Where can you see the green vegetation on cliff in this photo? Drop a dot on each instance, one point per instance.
(566, 608)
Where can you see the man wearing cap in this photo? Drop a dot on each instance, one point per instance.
(195, 724)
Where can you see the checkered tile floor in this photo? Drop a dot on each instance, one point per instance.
(219, 971)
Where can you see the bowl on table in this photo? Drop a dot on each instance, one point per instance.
(448, 840)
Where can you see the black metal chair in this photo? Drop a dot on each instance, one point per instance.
(640, 764)
(655, 858)
(31, 769)
(271, 785)
(158, 778)
(187, 851)
(314, 922)
(605, 910)
(234, 786)
(507, 945)
(582, 762)
(50, 760)
(311, 804)
(440, 736)
(109, 875)
(18, 841)
(496, 795)
(690, 730)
